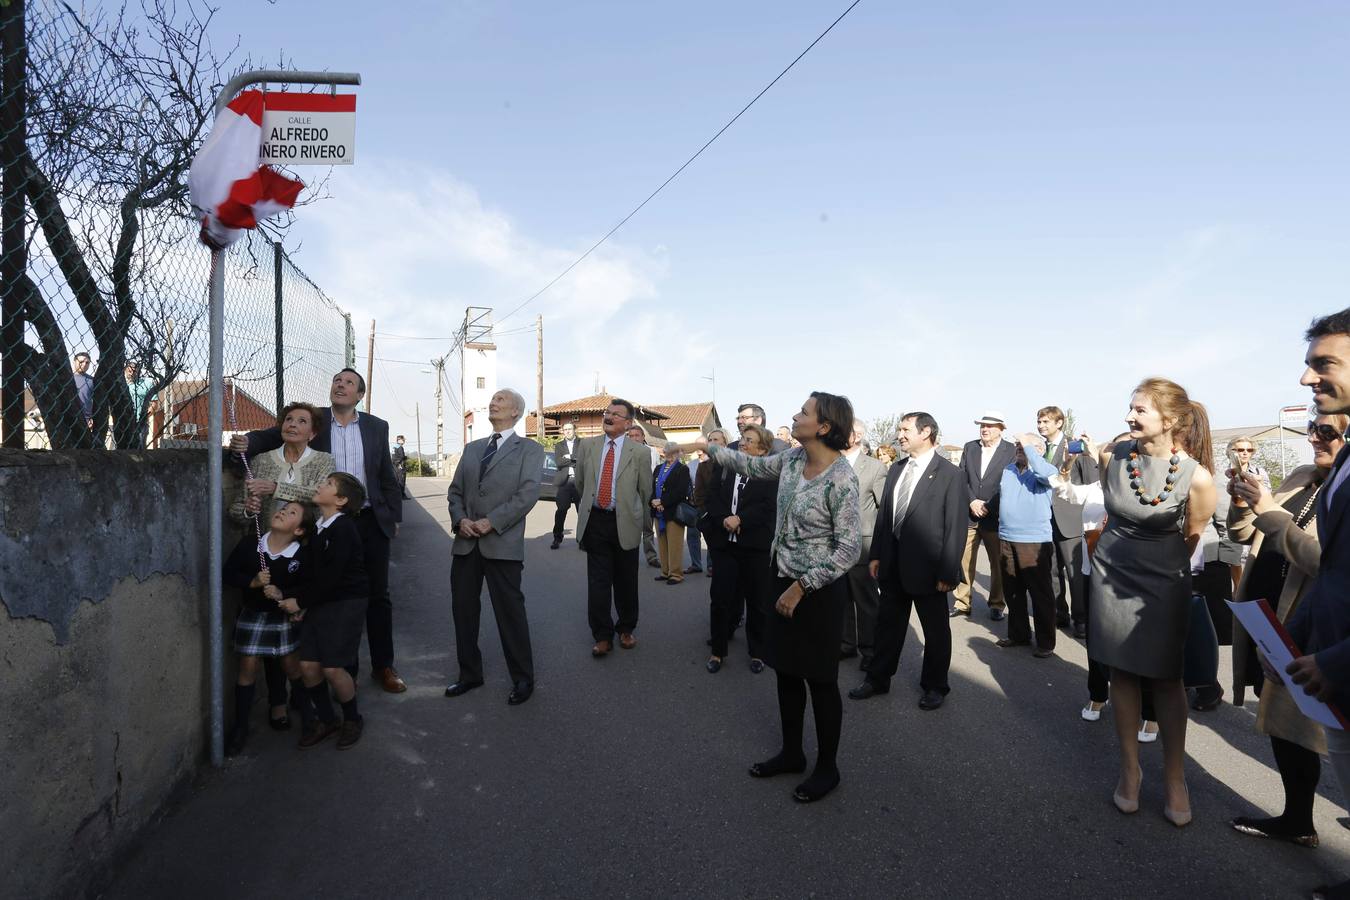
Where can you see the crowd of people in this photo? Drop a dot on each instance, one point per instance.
(821, 550)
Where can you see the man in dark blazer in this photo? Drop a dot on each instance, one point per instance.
(1320, 625)
(1067, 522)
(982, 465)
(359, 443)
(753, 414)
(565, 459)
(495, 486)
(916, 559)
(860, 615)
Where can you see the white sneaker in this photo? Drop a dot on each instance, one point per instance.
(1146, 736)
(1092, 712)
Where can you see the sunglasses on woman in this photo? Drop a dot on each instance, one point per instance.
(1322, 432)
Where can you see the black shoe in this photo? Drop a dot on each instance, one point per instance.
(1042, 653)
(959, 613)
(1080, 632)
(557, 542)
(756, 666)
(521, 692)
(867, 689)
(1009, 642)
(655, 564)
(282, 724)
(816, 787)
(997, 615)
(778, 766)
(692, 570)
(1274, 829)
(847, 654)
(714, 665)
(661, 578)
(1065, 624)
(460, 688)
(1207, 698)
(931, 700)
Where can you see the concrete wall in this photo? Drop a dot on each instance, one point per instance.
(103, 655)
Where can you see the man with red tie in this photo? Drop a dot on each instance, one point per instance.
(615, 479)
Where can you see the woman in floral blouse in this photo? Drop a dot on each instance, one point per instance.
(815, 543)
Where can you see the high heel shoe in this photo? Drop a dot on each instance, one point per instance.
(1125, 804)
(1179, 817)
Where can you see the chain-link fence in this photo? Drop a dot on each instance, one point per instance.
(103, 331)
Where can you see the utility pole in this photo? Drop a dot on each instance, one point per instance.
(417, 411)
(539, 404)
(370, 363)
(438, 365)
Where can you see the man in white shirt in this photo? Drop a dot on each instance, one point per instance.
(982, 464)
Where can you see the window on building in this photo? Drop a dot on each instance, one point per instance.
(482, 383)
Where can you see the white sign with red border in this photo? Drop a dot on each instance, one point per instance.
(309, 129)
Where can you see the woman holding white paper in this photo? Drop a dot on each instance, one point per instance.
(1282, 531)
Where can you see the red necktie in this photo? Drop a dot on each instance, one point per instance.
(605, 498)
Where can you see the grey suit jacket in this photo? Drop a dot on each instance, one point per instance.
(503, 494)
(871, 486)
(633, 494)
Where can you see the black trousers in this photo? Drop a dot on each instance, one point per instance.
(893, 627)
(1026, 571)
(611, 572)
(860, 615)
(380, 611)
(1070, 582)
(467, 574)
(742, 579)
(568, 495)
(1099, 675)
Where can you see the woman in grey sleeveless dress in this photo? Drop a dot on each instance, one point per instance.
(1159, 499)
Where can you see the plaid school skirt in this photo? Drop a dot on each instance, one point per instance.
(264, 633)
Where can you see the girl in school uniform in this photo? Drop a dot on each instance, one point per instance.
(334, 604)
(262, 631)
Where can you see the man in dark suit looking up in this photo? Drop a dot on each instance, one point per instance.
(495, 486)
(565, 459)
(916, 559)
(982, 465)
(1067, 522)
(359, 444)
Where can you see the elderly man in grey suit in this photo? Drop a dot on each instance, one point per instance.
(495, 485)
(860, 615)
(614, 475)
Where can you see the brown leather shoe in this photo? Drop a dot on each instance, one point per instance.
(601, 648)
(627, 641)
(389, 680)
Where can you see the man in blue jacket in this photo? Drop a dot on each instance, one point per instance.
(1026, 546)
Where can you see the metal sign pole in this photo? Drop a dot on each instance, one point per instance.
(215, 452)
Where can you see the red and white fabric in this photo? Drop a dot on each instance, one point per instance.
(230, 189)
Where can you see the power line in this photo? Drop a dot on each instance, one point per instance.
(576, 262)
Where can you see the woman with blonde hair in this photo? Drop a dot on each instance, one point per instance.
(1160, 495)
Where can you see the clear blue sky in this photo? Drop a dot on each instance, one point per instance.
(951, 208)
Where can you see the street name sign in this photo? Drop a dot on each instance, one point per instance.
(309, 129)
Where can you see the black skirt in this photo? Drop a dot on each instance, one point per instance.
(330, 633)
(807, 645)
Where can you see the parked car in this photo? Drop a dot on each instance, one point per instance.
(547, 490)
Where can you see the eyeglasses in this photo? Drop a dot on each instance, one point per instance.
(1243, 450)
(617, 415)
(1323, 432)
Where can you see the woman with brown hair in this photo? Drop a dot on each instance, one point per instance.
(817, 540)
(1285, 558)
(1160, 495)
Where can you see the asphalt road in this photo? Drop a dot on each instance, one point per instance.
(626, 776)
